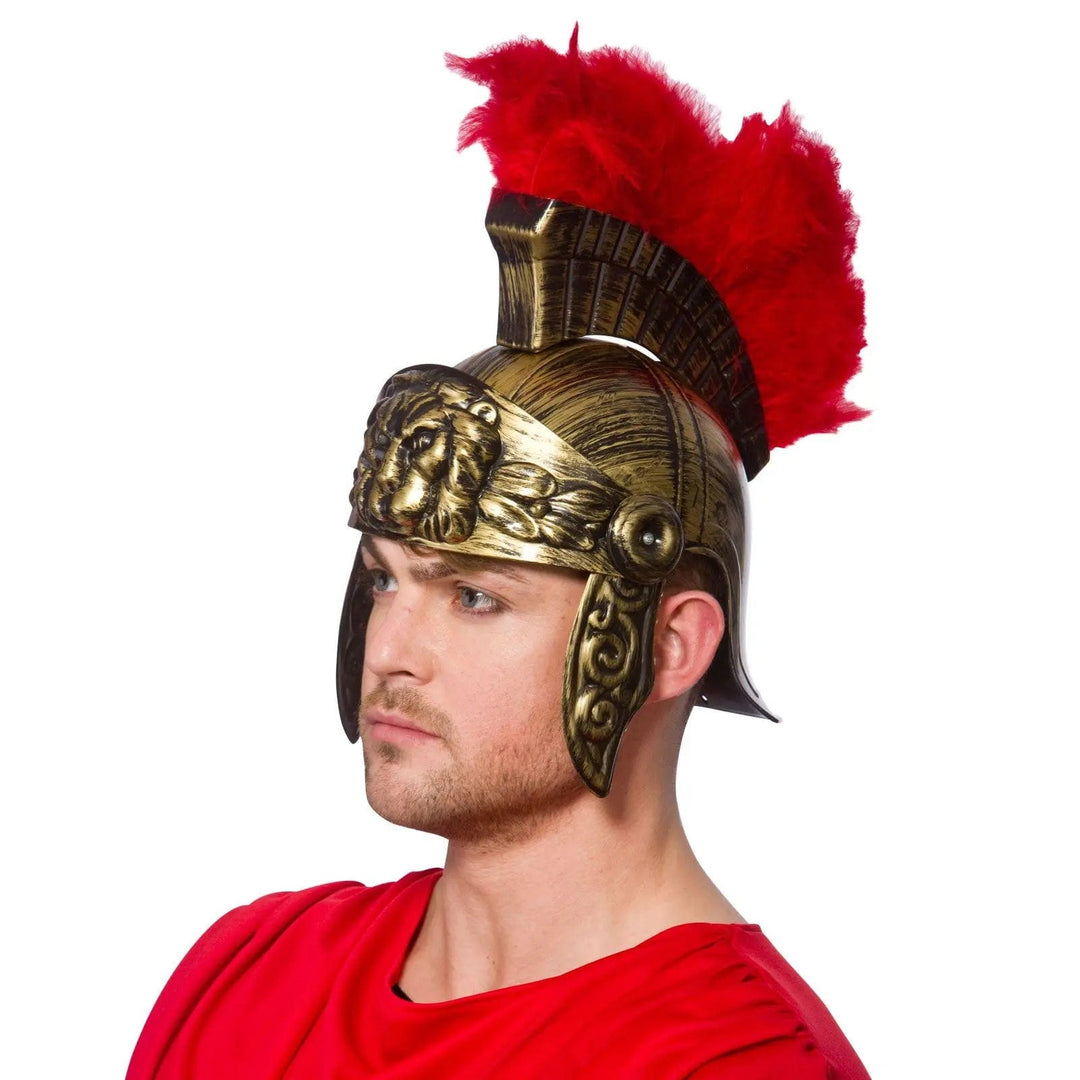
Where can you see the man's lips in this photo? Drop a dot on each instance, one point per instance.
(388, 725)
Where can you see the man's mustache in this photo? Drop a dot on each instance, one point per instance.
(408, 703)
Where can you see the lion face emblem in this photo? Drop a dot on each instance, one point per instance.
(429, 449)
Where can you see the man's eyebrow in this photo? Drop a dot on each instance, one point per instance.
(435, 565)
(431, 569)
(478, 564)
(367, 545)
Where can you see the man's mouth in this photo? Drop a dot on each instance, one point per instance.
(393, 727)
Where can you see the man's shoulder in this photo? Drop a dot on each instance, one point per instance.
(758, 981)
(328, 911)
(283, 945)
(719, 1000)
(321, 901)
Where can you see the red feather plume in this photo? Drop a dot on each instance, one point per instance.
(762, 215)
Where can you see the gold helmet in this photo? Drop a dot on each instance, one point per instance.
(564, 447)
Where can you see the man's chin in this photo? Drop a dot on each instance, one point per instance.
(400, 799)
(389, 808)
(455, 811)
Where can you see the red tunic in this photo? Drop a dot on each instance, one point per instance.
(299, 985)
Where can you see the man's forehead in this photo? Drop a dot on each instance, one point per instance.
(433, 563)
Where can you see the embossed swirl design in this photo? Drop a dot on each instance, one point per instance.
(611, 672)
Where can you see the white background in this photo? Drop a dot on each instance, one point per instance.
(223, 224)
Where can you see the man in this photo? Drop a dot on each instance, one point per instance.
(553, 546)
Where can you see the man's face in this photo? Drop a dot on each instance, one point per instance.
(461, 713)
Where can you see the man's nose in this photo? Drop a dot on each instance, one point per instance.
(396, 645)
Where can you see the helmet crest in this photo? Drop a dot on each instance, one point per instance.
(761, 216)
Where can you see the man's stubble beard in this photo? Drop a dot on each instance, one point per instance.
(502, 800)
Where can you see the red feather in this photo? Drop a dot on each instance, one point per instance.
(762, 215)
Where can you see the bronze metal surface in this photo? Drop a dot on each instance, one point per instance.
(608, 672)
(638, 423)
(452, 462)
(566, 272)
(352, 635)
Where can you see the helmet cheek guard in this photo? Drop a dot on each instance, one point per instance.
(608, 672)
(609, 658)
(351, 639)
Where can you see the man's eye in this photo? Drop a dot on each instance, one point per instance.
(475, 600)
(381, 581)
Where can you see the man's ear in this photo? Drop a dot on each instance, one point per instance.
(689, 629)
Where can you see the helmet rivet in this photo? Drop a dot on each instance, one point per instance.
(645, 538)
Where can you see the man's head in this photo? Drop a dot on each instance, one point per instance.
(461, 710)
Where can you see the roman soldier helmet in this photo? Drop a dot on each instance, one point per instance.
(672, 305)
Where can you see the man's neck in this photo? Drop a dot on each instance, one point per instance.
(600, 877)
